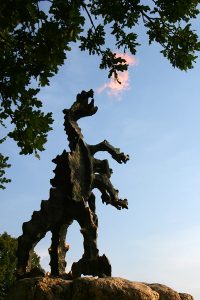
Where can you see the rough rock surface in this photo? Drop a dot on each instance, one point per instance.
(90, 288)
(167, 293)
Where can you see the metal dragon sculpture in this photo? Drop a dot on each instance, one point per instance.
(71, 198)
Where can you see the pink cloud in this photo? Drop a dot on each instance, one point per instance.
(130, 59)
(113, 87)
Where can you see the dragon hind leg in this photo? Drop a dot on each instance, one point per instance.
(58, 248)
(34, 230)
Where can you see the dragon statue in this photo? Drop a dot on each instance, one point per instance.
(71, 198)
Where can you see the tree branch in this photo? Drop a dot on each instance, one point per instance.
(89, 16)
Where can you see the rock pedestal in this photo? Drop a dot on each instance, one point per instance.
(90, 288)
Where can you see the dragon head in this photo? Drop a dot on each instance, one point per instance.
(82, 107)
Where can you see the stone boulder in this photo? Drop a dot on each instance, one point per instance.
(167, 293)
(86, 288)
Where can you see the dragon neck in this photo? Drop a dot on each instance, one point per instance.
(73, 131)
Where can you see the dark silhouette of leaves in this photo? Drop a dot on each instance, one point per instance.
(35, 36)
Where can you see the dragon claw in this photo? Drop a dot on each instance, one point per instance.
(122, 158)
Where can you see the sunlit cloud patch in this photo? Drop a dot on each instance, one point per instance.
(113, 87)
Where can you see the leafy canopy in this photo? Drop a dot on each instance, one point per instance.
(8, 247)
(35, 36)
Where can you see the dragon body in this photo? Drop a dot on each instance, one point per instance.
(71, 198)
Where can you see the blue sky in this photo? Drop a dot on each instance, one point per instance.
(157, 123)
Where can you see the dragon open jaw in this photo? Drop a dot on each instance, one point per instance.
(83, 107)
(93, 109)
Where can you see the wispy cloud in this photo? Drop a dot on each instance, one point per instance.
(114, 88)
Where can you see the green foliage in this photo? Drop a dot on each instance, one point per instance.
(3, 166)
(8, 247)
(35, 36)
(7, 263)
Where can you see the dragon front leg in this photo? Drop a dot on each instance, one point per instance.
(102, 167)
(120, 157)
(109, 193)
